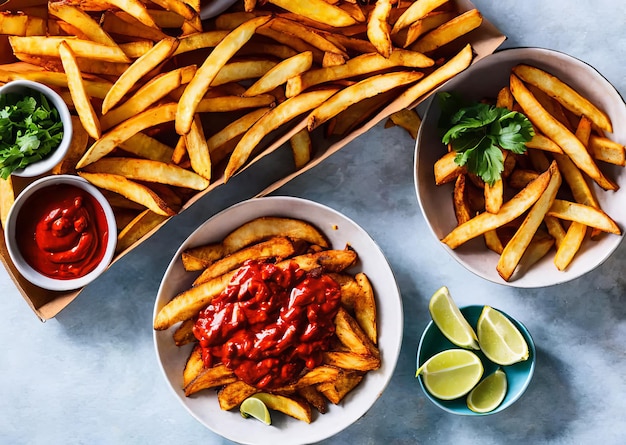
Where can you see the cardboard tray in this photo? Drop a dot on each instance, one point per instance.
(47, 304)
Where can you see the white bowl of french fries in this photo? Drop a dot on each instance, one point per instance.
(576, 205)
(213, 394)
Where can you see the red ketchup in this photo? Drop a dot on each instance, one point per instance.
(269, 323)
(62, 232)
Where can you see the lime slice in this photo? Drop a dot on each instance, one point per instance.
(499, 339)
(254, 407)
(451, 321)
(451, 373)
(489, 393)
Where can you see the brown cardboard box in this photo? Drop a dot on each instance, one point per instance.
(46, 304)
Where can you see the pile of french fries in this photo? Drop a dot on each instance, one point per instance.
(354, 349)
(166, 105)
(544, 198)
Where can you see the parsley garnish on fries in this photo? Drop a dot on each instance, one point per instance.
(30, 128)
(478, 132)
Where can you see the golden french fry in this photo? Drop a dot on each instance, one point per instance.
(137, 228)
(199, 40)
(147, 147)
(214, 377)
(407, 119)
(301, 147)
(276, 248)
(127, 129)
(280, 73)
(193, 365)
(416, 11)
(360, 65)
(309, 35)
(378, 30)
(580, 189)
(197, 149)
(179, 7)
(265, 227)
(7, 198)
(130, 189)
(539, 247)
(540, 142)
(136, 9)
(232, 394)
(369, 87)
(510, 210)
(81, 101)
(152, 91)
(584, 214)
(555, 229)
(520, 178)
(552, 128)
(292, 407)
(449, 31)
(515, 248)
(49, 46)
(21, 24)
(122, 24)
(352, 335)
(184, 333)
(206, 73)
(607, 150)
(150, 171)
(351, 360)
(78, 146)
(243, 70)
(233, 103)
(270, 121)
(318, 10)
(564, 94)
(494, 196)
(201, 257)
(446, 170)
(143, 65)
(569, 245)
(460, 200)
(234, 129)
(493, 241)
(365, 311)
(82, 21)
(337, 390)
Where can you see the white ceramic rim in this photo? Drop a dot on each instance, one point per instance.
(558, 63)
(204, 406)
(46, 164)
(16, 256)
(215, 7)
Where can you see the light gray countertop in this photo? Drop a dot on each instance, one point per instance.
(90, 376)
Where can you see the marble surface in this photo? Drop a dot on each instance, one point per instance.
(90, 375)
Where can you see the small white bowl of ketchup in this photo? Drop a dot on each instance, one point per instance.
(61, 233)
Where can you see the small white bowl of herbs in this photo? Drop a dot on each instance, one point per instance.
(35, 129)
(509, 156)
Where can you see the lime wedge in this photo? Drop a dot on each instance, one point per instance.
(451, 373)
(450, 321)
(254, 407)
(499, 339)
(489, 393)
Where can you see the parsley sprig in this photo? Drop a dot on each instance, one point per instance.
(478, 132)
(30, 129)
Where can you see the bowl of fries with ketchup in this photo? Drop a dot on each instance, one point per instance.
(278, 299)
(519, 168)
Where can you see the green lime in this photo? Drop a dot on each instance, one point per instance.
(254, 407)
(489, 393)
(499, 339)
(451, 373)
(450, 321)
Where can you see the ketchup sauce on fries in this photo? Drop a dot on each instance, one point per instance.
(269, 323)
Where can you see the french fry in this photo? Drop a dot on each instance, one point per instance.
(378, 30)
(607, 150)
(137, 228)
(197, 149)
(83, 106)
(460, 201)
(82, 21)
(309, 35)
(448, 32)
(369, 87)
(552, 128)
(446, 170)
(20, 24)
(265, 227)
(270, 121)
(147, 147)
(336, 391)
(293, 407)
(280, 73)
(209, 69)
(150, 60)
(184, 333)
(584, 214)
(49, 46)
(407, 119)
(130, 189)
(214, 377)
(352, 336)
(135, 9)
(510, 210)
(564, 94)
(416, 11)
(150, 171)
(78, 146)
(365, 311)
(319, 11)
(515, 248)
(124, 131)
(570, 245)
(301, 147)
(7, 198)
(231, 395)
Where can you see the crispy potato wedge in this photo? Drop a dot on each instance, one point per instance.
(184, 333)
(365, 311)
(193, 366)
(232, 394)
(352, 336)
(336, 391)
(214, 377)
(199, 258)
(352, 360)
(378, 30)
(291, 406)
(462, 210)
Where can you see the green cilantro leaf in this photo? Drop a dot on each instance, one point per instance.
(30, 129)
(478, 132)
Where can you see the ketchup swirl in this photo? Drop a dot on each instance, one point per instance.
(269, 323)
(62, 232)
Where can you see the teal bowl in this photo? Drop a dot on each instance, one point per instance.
(518, 375)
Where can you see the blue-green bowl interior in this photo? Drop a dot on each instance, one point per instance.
(518, 375)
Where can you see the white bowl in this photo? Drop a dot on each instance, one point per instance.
(31, 274)
(47, 163)
(484, 79)
(285, 430)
